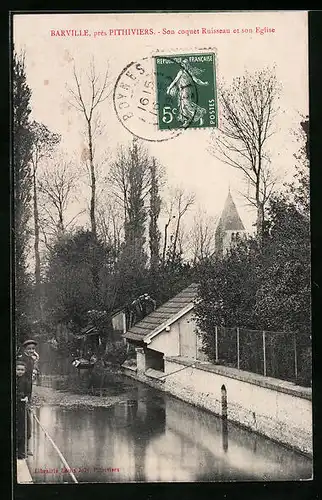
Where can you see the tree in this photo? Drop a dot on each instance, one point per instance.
(134, 226)
(228, 287)
(70, 289)
(261, 286)
(44, 142)
(287, 284)
(135, 179)
(110, 224)
(284, 295)
(130, 182)
(169, 208)
(86, 101)
(299, 189)
(202, 236)
(22, 183)
(154, 213)
(305, 124)
(177, 206)
(57, 184)
(248, 109)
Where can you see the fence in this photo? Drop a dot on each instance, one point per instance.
(282, 355)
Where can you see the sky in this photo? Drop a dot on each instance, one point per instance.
(188, 163)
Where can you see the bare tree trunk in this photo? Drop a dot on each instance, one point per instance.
(95, 266)
(175, 241)
(165, 242)
(183, 204)
(56, 185)
(93, 179)
(61, 227)
(98, 94)
(259, 200)
(44, 142)
(154, 233)
(260, 220)
(36, 244)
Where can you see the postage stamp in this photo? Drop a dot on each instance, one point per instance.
(186, 91)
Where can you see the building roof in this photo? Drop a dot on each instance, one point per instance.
(164, 315)
(230, 219)
(117, 311)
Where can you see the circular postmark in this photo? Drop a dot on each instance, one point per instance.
(136, 104)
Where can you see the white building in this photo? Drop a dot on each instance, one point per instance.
(170, 330)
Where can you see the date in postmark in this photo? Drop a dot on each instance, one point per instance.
(135, 103)
(186, 91)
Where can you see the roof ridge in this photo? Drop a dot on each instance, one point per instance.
(177, 307)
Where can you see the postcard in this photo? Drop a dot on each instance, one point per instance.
(162, 247)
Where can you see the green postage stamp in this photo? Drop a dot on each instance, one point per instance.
(186, 91)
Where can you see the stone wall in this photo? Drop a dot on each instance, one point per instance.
(142, 377)
(274, 408)
(277, 409)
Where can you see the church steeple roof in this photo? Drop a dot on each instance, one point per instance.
(230, 219)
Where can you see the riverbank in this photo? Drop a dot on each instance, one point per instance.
(53, 397)
(150, 436)
(276, 409)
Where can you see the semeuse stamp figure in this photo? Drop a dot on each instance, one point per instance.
(184, 98)
(182, 87)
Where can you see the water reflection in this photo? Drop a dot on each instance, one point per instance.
(224, 434)
(151, 436)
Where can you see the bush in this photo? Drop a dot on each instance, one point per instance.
(115, 353)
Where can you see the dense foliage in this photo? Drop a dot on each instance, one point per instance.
(22, 182)
(70, 289)
(264, 286)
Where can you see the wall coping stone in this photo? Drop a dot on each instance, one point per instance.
(156, 374)
(133, 368)
(252, 378)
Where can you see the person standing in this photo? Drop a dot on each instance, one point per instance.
(30, 358)
(22, 420)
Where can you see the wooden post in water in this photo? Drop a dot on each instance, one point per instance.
(223, 401)
(224, 423)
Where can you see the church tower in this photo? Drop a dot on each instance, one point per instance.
(229, 227)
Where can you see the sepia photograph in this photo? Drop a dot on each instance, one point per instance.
(161, 247)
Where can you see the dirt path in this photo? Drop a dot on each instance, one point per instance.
(52, 397)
